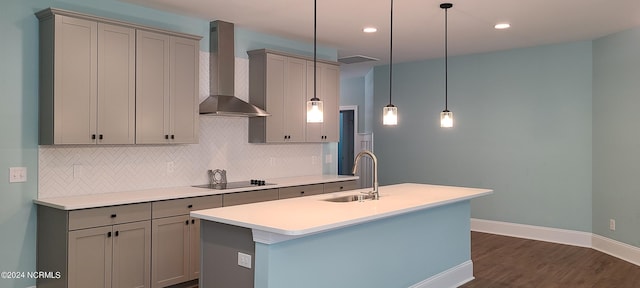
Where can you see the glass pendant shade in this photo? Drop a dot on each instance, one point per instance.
(314, 111)
(390, 115)
(446, 119)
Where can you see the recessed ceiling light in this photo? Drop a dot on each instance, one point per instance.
(501, 26)
(370, 29)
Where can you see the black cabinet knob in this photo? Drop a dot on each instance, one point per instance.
(100, 137)
(301, 192)
(173, 136)
(108, 234)
(186, 222)
(190, 206)
(193, 221)
(113, 215)
(166, 137)
(93, 136)
(117, 233)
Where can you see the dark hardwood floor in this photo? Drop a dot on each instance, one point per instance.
(501, 262)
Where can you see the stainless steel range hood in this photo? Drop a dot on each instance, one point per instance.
(222, 101)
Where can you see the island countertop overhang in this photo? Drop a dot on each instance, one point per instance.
(281, 220)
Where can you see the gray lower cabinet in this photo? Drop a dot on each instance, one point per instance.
(340, 186)
(249, 197)
(299, 191)
(100, 247)
(176, 239)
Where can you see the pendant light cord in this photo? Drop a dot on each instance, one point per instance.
(446, 57)
(315, 48)
(391, 53)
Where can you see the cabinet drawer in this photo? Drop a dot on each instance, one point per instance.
(183, 206)
(340, 186)
(249, 197)
(298, 191)
(95, 217)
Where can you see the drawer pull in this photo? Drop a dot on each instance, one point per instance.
(341, 188)
(108, 234)
(117, 233)
(186, 222)
(190, 206)
(113, 215)
(301, 192)
(193, 221)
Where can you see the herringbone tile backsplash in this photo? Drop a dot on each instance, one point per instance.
(84, 169)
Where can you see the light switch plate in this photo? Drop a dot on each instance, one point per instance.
(244, 260)
(17, 174)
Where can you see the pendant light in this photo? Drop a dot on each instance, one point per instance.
(446, 116)
(314, 106)
(390, 112)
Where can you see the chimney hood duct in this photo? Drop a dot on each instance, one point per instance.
(222, 101)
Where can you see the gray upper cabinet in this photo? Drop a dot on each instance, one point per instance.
(167, 89)
(94, 71)
(328, 90)
(87, 81)
(277, 84)
(281, 84)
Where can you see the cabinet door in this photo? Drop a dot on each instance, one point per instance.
(184, 67)
(275, 95)
(194, 248)
(132, 255)
(294, 101)
(152, 87)
(90, 258)
(75, 80)
(328, 90)
(330, 94)
(170, 251)
(116, 84)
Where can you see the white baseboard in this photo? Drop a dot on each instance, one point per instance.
(617, 249)
(450, 278)
(562, 236)
(614, 248)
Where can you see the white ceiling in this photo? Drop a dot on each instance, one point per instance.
(418, 28)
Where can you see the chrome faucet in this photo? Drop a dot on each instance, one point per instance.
(374, 194)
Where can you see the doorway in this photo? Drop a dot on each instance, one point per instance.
(348, 130)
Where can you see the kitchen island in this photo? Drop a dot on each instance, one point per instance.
(416, 235)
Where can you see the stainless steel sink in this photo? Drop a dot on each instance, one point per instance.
(350, 198)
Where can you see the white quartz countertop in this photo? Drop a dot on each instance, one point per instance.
(158, 194)
(276, 221)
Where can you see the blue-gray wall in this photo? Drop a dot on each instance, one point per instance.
(522, 126)
(352, 94)
(19, 105)
(616, 136)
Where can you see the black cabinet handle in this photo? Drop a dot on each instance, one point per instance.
(93, 136)
(173, 136)
(108, 234)
(166, 137)
(100, 137)
(113, 215)
(301, 192)
(117, 233)
(190, 206)
(186, 222)
(341, 188)
(193, 221)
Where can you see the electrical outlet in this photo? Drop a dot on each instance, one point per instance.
(244, 260)
(17, 174)
(612, 224)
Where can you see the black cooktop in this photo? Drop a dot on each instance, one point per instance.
(233, 185)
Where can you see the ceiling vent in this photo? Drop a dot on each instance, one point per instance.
(356, 59)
